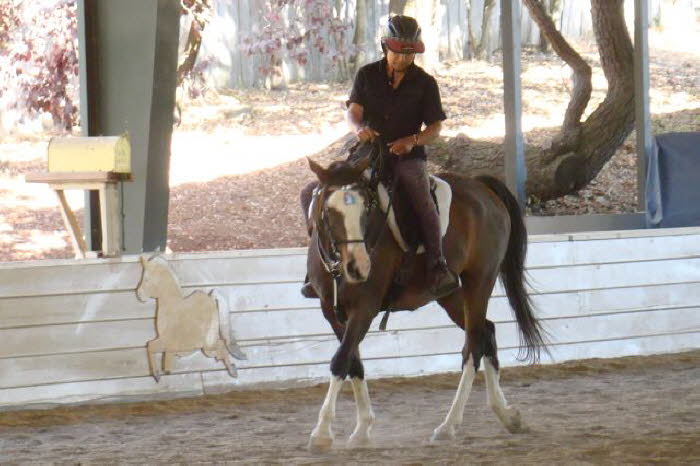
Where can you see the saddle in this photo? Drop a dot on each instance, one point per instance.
(394, 202)
(401, 219)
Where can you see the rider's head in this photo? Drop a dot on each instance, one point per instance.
(402, 35)
(401, 41)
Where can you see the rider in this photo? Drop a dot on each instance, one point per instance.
(391, 99)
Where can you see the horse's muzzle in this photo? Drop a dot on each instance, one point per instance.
(357, 264)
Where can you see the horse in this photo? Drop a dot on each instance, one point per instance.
(351, 262)
(184, 323)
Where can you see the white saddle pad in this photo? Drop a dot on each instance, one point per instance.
(443, 194)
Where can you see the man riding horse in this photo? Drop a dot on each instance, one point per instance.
(390, 100)
(355, 257)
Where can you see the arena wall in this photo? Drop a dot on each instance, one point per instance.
(73, 331)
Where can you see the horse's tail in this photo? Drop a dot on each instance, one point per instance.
(225, 325)
(532, 335)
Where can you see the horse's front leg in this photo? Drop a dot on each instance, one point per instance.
(345, 362)
(365, 416)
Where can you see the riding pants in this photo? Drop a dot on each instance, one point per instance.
(412, 175)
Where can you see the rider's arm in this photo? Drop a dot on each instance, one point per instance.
(354, 116)
(429, 134)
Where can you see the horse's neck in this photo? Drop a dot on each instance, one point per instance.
(168, 289)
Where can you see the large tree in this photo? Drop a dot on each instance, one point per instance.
(581, 148)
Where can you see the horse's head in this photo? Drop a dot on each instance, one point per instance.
(340, 212)
(156, 278)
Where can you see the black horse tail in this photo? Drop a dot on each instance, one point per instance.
(532, 335)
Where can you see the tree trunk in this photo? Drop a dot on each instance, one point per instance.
(471, 47)
(552, 8)
(359, 40)
(480, 49)
(397, 7)
(198, 10)
(429, 21)
(580, 150)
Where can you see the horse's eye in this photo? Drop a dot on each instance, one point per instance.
(349, 199)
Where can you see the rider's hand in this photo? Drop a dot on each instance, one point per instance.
(365, 133)
(402, 146)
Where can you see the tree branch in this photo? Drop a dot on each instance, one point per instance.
(582, 86)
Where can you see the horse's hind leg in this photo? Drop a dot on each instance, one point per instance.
(474, 302)
(221, 354)
(509, 416)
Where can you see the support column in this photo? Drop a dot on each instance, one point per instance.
(641, 92)
(128, 60)
(514, 162)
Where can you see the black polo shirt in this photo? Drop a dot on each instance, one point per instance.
(400, 112)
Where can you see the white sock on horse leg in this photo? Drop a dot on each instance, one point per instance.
(510, 417)
(322, 435)
(455, 415)
(365, 415)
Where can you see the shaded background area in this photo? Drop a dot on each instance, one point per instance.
(238, 156)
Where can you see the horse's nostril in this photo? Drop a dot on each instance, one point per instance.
(353, 270)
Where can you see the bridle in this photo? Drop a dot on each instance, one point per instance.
(330, 256)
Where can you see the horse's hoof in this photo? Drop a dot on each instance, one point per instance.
(510, 418)
(359, 441)
(156, 375)
(320, 444)
(442, 433)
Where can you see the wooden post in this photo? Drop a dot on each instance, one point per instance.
(110, 216)
(514, 161)
(641, 94)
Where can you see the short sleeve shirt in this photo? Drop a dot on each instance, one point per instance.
(400, 112)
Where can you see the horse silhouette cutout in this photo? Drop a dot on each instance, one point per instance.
(184, 324)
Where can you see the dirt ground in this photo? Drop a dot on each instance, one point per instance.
(635, 410)
(238, 157)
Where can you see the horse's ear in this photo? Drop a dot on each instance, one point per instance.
(320, 172)
(361, 165)
(143, 261)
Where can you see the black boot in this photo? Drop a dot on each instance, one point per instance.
(307, 290)
(441, 280)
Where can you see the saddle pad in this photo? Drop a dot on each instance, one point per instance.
(443, 195)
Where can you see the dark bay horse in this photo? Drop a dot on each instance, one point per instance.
(486, 239)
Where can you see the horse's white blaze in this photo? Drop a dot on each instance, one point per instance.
(365, 415)
(455, 415)
(351, 206)
(509, 417)
(322, 435)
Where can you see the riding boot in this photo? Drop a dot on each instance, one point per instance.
(414, 177)
(307, 290)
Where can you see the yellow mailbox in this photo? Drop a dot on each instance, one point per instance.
(90, 154)
(93, 164)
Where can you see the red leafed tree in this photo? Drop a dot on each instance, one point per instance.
(39, 60)
(293, 28)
